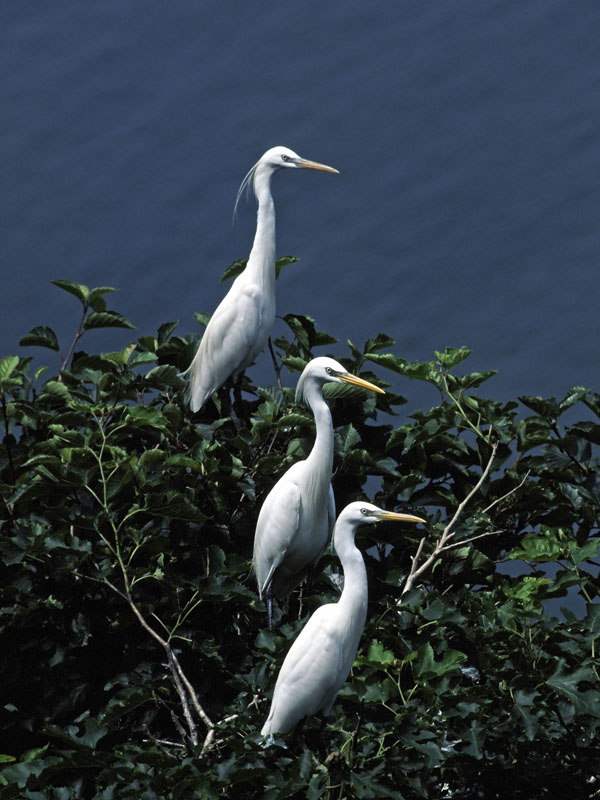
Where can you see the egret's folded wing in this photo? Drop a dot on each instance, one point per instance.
(277, 525)
(225, 347)
(309, 674)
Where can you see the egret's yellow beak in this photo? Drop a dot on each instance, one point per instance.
(388, 516)
(356, 381)
(303, 162)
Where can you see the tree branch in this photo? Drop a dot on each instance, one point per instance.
(185, 690)
(417, 569)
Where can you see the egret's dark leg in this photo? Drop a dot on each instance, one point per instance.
(276, 364)
(270, 604)
(300, 598)
(223, 393)
(238, 401)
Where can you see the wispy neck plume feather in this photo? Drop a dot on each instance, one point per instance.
(247, 184)
(300, 398)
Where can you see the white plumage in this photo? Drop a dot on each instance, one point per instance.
(320, 659)
(297, 516)
(240, 326)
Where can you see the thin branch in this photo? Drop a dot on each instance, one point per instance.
(184, 688)
(472, 493)
(417, 555)
(190, 689)
(508, 494)
(472, 539)
(210, 736)
(193, 730)
(179, 726)
(416, 570)
(276, 365)
(78, 336)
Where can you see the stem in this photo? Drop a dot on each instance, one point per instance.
(463, 413)
(78, 336)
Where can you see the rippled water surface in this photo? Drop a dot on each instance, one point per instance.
(466, 211)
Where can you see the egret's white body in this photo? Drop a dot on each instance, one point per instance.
(240, 326)
(297, 516)
(319, 661)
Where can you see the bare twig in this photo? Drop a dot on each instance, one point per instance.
(472, 539)
(417, 569)
(508, 494)
(185, 690)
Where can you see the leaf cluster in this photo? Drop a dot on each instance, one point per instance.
(126, 530)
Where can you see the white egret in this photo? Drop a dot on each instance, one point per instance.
(297, 516)
(319, 660)
(239, 328)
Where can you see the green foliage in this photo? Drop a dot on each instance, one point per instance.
(136, 660)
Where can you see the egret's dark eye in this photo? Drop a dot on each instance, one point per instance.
(329, 371)
(285, 158)
(364, 511)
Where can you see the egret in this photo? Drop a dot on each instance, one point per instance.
(319, 660)
(297, 516)
(240, 326)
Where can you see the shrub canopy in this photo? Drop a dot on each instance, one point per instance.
(136, 661)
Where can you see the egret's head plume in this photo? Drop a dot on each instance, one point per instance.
(244, 186)
(270, 162)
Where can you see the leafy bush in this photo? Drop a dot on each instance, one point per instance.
(136, 662)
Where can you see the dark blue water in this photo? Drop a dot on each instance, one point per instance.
(466, 211)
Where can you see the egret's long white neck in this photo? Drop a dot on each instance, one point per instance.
(355, 594)
(261, 262)
(320, 460)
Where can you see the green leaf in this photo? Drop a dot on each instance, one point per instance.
(474, 739)
(425, 371)
(174, 505)
(106, 319)
(426, 667)
(567, 684)
(536, 547)
(202, 317)
(526, 704)
(452, 356)
(8, 366)
(141, 415)
(284, 261)
(378, 343)
(143, 358)
(79, 290)
(346, 438)
(41, 336)
(165, 331)
(234, 269)
(379, 655)
(96, 297)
